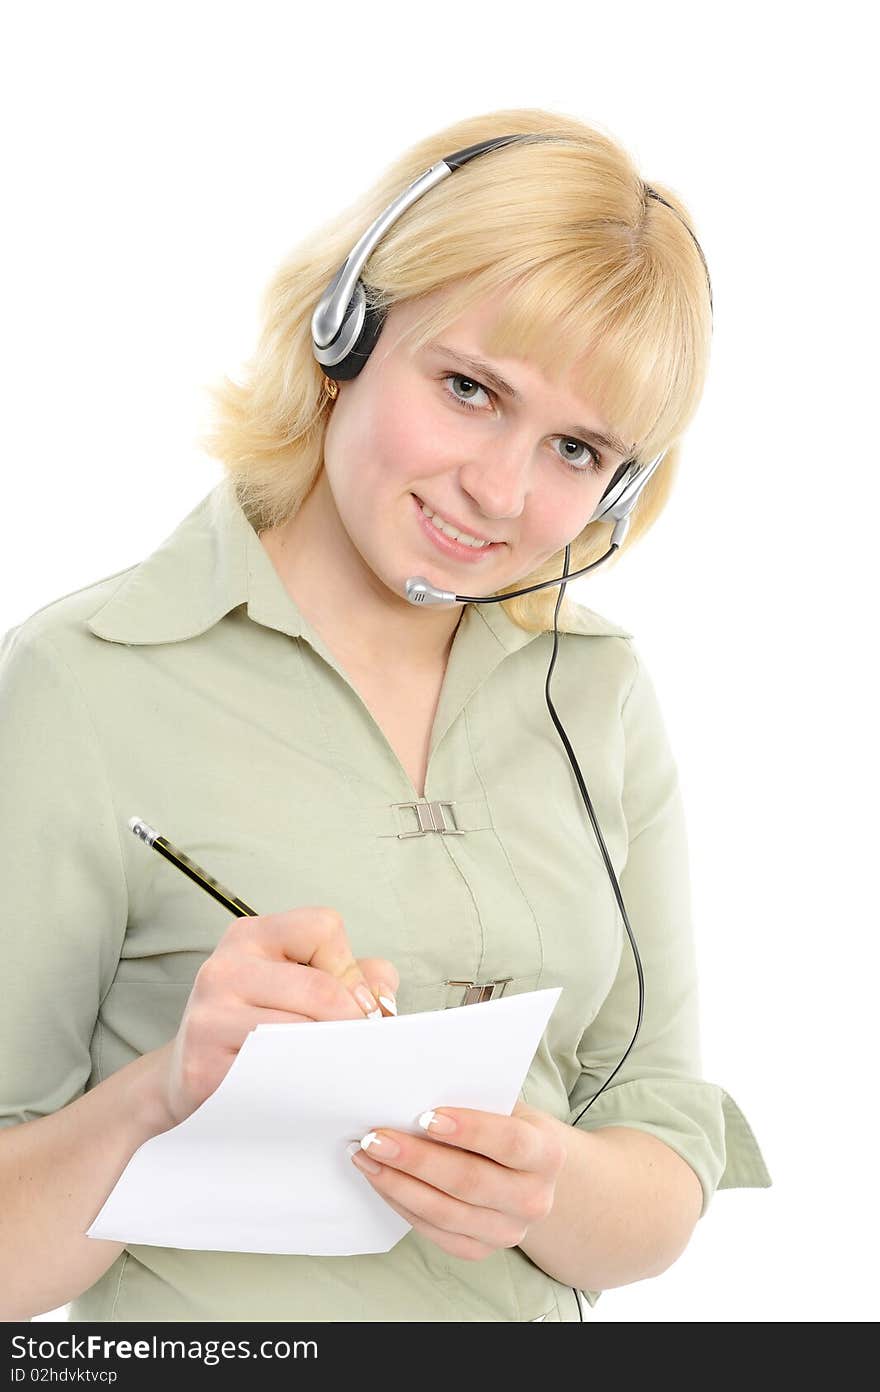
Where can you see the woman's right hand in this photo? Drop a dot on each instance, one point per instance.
(273, 968)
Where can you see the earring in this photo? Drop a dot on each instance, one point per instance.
(331, 388)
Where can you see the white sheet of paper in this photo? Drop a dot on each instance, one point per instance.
(261, 1165)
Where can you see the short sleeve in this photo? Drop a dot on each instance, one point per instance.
(659, 1088)
(64, 891)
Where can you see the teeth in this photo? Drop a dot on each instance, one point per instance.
(451, 531)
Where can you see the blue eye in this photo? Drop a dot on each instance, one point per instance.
(594, 463)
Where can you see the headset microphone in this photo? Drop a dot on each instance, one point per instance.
(421, 591)
(615, 505)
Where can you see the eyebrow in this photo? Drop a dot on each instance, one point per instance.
(494, 378)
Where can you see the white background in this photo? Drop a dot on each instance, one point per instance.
(160, 161)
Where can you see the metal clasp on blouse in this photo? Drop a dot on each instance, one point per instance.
(481, 990)
(431, 817)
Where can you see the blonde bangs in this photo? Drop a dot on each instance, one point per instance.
(609, 331)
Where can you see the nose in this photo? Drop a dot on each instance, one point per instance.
(499, 481)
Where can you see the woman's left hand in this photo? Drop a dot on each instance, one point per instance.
(477, 1188)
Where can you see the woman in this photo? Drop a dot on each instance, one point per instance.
(379, 776)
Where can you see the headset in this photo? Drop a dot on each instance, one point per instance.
(344, 333)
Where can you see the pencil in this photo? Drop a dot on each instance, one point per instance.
(195, 872)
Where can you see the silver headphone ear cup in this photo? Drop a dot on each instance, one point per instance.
(606, 504)
(622, 493)
(346, 355)
(350, 331)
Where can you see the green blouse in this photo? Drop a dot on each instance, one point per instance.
(190, 691)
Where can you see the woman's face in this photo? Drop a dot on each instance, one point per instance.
(521, 473)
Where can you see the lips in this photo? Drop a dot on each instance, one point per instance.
(459, 527)
(454, 550)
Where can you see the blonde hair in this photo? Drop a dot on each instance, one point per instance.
(600, 281)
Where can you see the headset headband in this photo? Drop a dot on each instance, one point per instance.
(345, 328)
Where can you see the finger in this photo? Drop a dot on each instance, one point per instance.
(314, 936)
(456, 1244)
(383, 980)
(291, 986)
(509, 1140)
(472, 1179)
(447, 1215)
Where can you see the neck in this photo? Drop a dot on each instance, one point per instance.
(358, 616)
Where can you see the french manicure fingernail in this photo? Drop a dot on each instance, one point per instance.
(387, 999)
(367, 1002)
(382, 1145)
(436, 1122)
